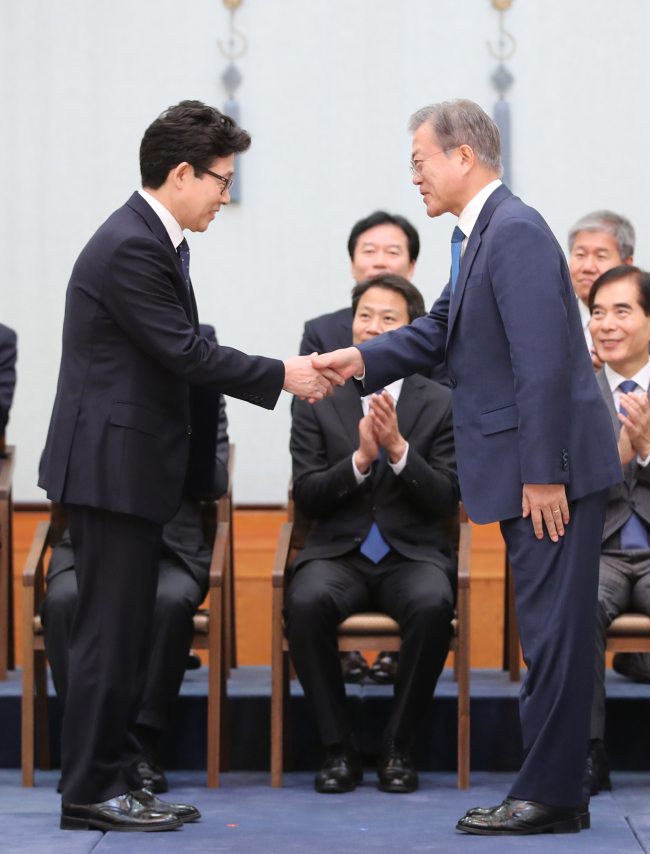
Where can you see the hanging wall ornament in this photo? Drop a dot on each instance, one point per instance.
(235, 47)
(502, 79)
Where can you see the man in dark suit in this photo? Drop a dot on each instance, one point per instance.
(183, 581)
(377, 475)
(531, 431)
(117, 448)
(7, 373)
(620, 327)
(378, 244)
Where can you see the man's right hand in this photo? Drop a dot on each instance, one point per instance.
(347, 362)
(368, 445)
(301, 378)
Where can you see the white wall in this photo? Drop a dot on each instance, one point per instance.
(328, 88)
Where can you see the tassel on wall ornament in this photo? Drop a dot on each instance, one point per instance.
(502, 80)
(235, 47)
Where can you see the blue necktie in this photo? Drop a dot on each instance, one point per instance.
(456, 246)
(375, 547)
(184, 253)
(634, 534)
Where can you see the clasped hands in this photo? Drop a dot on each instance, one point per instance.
(314, 377)
(379, 429)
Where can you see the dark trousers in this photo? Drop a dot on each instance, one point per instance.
(116, 564)
(556, 586)
(623, 585)
(323, 593)
(178, 597)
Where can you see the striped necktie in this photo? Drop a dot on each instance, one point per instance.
(184, 254)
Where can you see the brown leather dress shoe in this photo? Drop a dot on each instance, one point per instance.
(185, 812)
(124, 813)
(354, 666)
(521, 818)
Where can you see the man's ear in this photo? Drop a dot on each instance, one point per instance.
(181, 174)
(628, 261)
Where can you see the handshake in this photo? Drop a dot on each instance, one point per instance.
(314, 377)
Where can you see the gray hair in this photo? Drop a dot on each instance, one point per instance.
(462, 122)
(620, 228)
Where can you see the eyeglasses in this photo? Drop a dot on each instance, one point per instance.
(414, 165)
(227, 182)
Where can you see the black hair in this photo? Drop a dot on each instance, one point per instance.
(190, 132)
(381, 218)
(392, 282)
(624, 271)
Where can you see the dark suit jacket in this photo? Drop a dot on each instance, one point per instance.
(7, 373)
(527, 407)
(334, 332)
(406, 507)
(633, 494)
(120, 430)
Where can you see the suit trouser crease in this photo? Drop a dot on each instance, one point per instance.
(323, 593)
(556, 587)
(116, 565)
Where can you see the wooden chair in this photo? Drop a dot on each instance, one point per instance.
(208, 627)
(629, 633)
(372, 631)
(7, 462)
(224, 514)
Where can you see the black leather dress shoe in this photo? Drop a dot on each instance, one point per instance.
(153, 776)
(193, 661)
(396, 772)
(124, 813)
(598, 770)
(354, 666)
(583, 812)
(384, 668)
(634, 665)
(341, 771)
(185, 812)
(521, 818)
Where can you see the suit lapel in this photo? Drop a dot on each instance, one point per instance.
(347, 403)
(491, 203)
(138, 204)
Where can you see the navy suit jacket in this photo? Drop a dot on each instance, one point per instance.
(119, 436)
(334, 332)
(7, 373)
(527, 407)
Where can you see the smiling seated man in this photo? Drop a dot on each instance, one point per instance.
(620, 326)
(377, 475)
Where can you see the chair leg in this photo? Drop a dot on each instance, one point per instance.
(4, 587)
(277, 693)
(224, 763)
(42, 722)
(226, 617)
(27, 746)
(214, 688)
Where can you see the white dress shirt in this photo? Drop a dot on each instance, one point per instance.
(585, 319)
(394, 390)
(471, 212)
(174, 230)
(642, 379)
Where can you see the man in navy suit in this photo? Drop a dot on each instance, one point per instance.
(7, 373)
(532, 434)
(119, 440)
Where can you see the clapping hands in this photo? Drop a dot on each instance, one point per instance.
(635, 427)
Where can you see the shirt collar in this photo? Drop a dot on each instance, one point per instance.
(642, 379)
(394, 390)
(174, 230)
(472, 210)
(585, 314)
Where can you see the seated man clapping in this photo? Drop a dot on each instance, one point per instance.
(620, 327)
(183, 581)
(377, 474)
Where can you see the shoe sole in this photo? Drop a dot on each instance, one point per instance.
(571, 825)
(391, 789)
(72, 823)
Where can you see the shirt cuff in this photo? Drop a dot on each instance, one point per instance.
(643, 463)
(360, 377)
(398, 467)
(359, 477)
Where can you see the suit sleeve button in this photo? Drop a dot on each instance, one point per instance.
(189, 429)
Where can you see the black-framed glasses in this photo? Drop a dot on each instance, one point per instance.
(227, 182)
(414, 165)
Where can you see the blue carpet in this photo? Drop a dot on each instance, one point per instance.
(295, 820)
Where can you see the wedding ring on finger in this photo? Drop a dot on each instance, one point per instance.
(557, 511)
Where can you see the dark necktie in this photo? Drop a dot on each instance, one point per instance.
(634, 534)
(456, 247)
(375, 547)
(184, 254)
